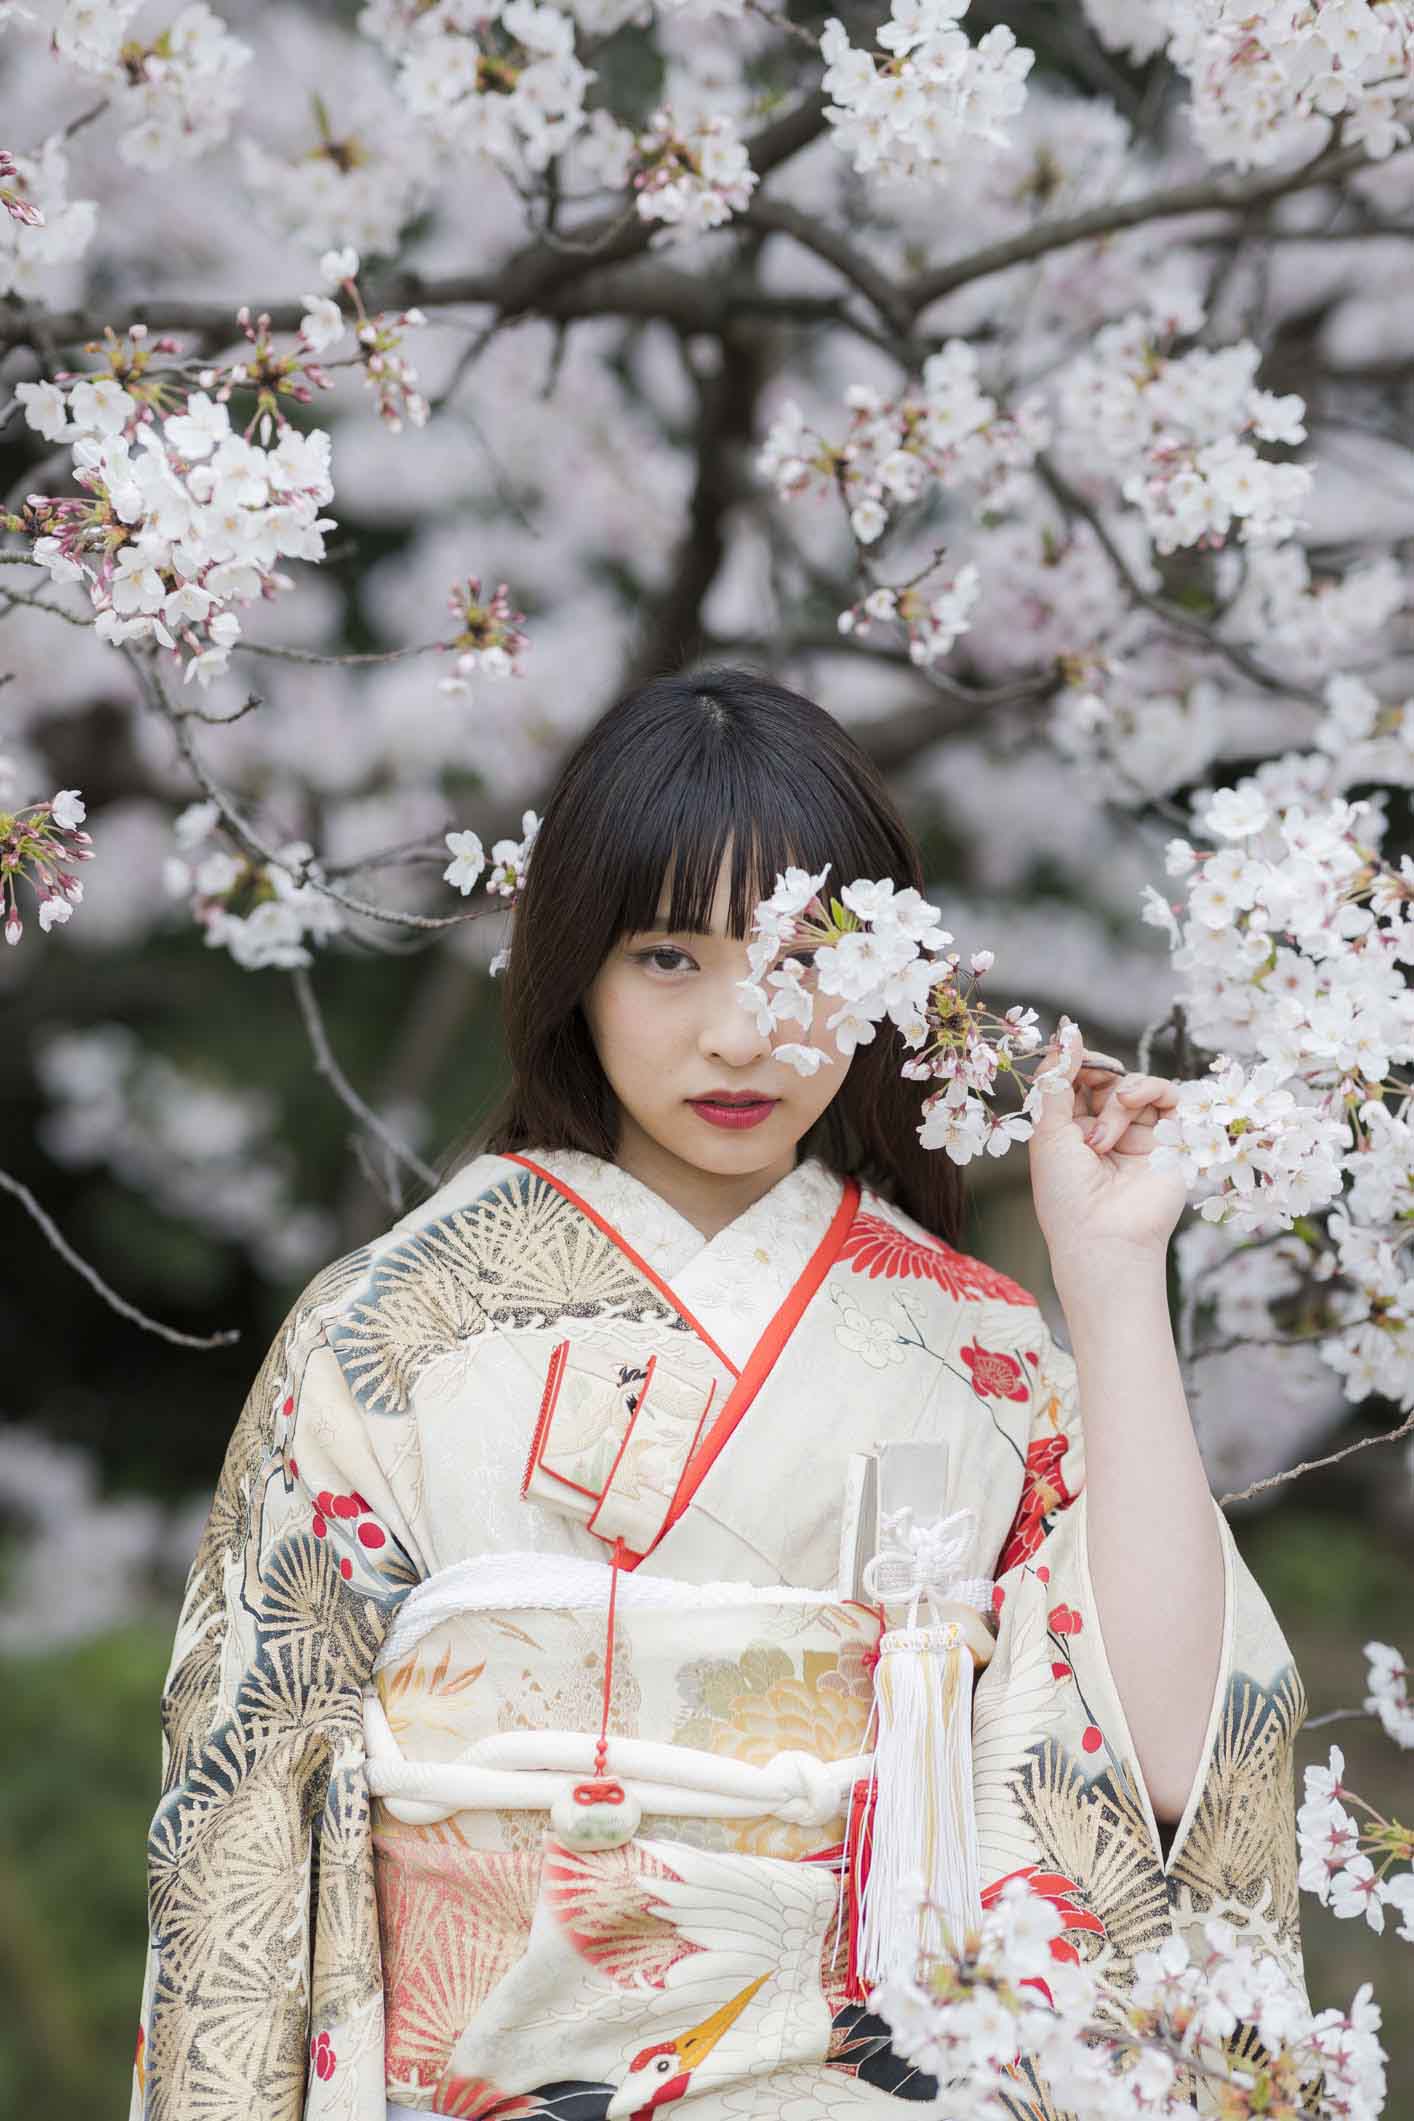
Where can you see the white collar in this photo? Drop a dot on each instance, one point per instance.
(733, 1283)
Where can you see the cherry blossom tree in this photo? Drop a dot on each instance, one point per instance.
(1029, 382)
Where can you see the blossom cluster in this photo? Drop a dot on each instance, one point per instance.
(1005, 1991)
(175, 94)
(40, 843)
(934, 99)
(501, 79)
(183, 517)
(42, 226)
(259, 911)
(386, 369)
(1179, 432)
(1261, 71)
(882, 954)
(946, 435)
(1389, 1697)
(1349, 1866)
(12, 194)
(509, 860)
(691, 176)
(1294, 942)
(488, 641)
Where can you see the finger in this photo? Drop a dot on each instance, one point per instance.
(1136, 1103)
(1051, 1101)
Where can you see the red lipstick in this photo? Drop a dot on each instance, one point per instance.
(734, 1108)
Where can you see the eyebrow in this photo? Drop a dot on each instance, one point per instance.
(664, 927)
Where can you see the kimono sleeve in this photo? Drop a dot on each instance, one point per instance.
(1057, 1781)
(262, 1994)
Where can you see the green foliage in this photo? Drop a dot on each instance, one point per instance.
(81, 1780)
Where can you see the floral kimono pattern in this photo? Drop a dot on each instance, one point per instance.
(394, 1649)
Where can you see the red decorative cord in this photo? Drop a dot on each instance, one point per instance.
(602, 1748)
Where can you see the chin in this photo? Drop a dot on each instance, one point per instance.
(725, 1150)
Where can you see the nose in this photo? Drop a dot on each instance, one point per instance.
(728, 1030)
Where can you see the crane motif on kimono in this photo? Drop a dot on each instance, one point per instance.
(664, 2072)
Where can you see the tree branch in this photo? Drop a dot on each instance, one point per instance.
(1313, 1465)
(1172, 614)
(536, 279)
(304, 872)
(95, 1280)
(1208, 195)
(326, 1065)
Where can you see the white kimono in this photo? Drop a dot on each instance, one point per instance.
(393, 1662)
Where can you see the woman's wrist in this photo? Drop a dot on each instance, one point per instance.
(1093, 1282)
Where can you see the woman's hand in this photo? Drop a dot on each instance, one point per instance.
(1099, 1200)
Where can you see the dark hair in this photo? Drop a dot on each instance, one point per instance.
(660, 783)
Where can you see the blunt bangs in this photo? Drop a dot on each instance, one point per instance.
(690, 785)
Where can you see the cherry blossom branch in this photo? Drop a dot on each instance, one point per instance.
(1313, 1465)
(115, 1302)
(1172, 614)
(56, 611)
(535, 280)
(326, 1065)
(1215, 195)
(357, 656)
(305, 872)
(777, 217)
(1276, 1340)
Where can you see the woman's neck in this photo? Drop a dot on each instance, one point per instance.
(709, 1200)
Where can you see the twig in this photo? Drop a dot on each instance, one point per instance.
(384, 1182)
(1314, 1723)
(1277, 1340)
(1172, 614)
(1313, 1465)
(312, 655)
(304, 872)
(1217, 195)
(55, 611)
(326, 1065)
(95, 1280)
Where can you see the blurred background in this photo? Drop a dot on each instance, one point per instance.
(162, 1103)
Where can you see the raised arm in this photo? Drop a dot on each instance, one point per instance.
(1154, 1542)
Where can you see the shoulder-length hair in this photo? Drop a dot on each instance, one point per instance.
(657, 787)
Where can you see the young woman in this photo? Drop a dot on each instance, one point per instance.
(664, 1546)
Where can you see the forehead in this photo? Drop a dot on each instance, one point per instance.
(716, 914)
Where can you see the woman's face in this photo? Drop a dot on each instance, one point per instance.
(671, 1028)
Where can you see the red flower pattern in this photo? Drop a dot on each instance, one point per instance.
(995, 1374)
(1043, 1492)
(322, 2057)
(874, 1246)
(1064, 1620)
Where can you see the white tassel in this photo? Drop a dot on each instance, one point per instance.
(924, 1834)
